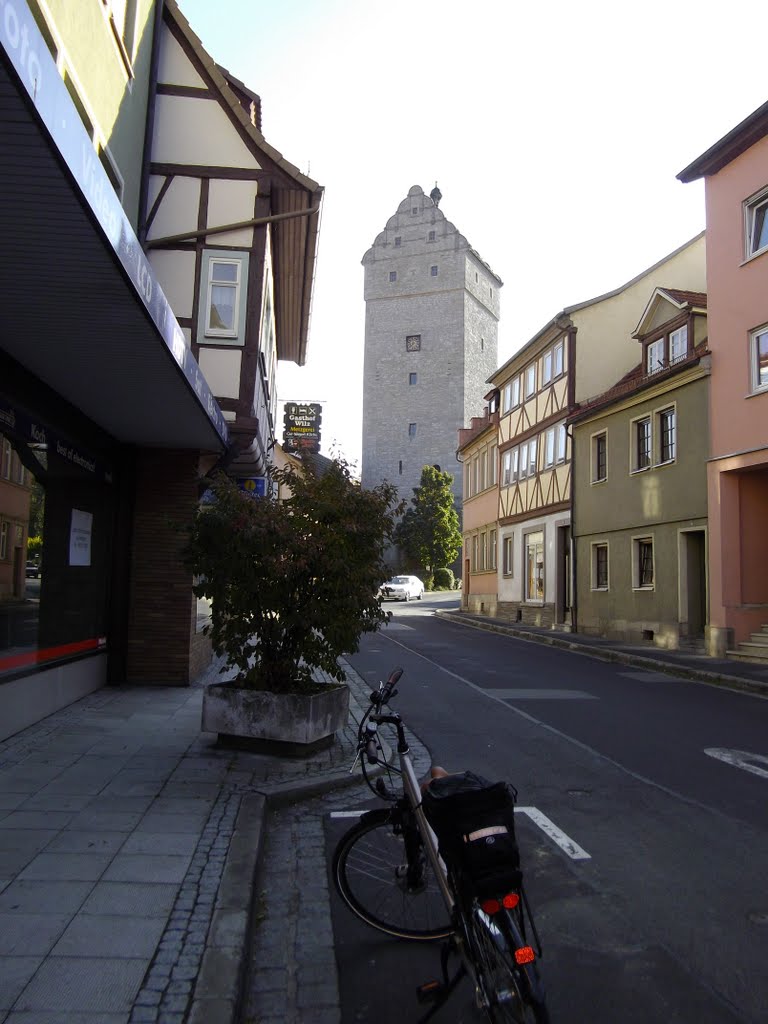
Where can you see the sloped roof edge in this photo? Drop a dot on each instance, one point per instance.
(737, 141)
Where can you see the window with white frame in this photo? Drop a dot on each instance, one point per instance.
(493, 465)
(506, 398)
(475, 543)
(468, 480)
(552, 363)
(600, 566)
(562, 436)
(515, 400)
(477, 467)
(523, 468)
(642, 563)
(534, 566)
(756, 223)
(530, 380)
(641, 443)
(678, 344)
(532, 447)
(654, 356)
(482, 550)
(667, 435)
(599, 457)
(758, 352)
(549, 448)
(223, 289)
(506, 467)
(507, 564)
(492, 549)
(3, 541)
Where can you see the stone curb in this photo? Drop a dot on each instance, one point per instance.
(612, 654)
(220, 986)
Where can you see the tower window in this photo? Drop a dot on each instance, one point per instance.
(398, 240)
(411, 378)
(414, 210)
(431, 236)
(393, 275)
(433, 271)
(411, 430)
(400, 467)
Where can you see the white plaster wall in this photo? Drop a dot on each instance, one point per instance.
(228, 202)
(176, 272)
(174, 67)
(178, 210)
(221, 368)
(512, 588)
(191, 130)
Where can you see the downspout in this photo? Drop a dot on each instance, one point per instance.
(150, 122)
(571, 407)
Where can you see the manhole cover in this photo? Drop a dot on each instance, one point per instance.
(758, 917)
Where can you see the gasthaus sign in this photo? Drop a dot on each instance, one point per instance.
(301, 427)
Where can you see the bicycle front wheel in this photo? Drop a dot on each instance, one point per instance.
(508, 992)
(386, 888)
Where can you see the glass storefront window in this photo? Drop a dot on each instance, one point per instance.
(56, 525)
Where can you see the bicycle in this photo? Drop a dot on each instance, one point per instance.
(389, 871)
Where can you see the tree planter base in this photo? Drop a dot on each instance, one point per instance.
(274, 723)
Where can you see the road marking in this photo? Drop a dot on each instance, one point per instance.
(534, 694)
(740, 759)
(574, 851)
(547, 826)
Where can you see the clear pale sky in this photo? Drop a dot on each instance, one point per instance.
(554, 130)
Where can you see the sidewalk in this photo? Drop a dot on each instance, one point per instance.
(129, 845)
(128, 848)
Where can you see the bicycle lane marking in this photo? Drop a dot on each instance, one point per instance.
(547, 826)
(740, 759)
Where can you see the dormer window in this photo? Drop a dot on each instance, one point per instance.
(668, 349)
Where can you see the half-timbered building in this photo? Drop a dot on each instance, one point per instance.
(580, 352)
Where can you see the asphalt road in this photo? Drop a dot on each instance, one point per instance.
(664, 914)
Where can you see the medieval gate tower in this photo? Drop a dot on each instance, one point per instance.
(431, 324)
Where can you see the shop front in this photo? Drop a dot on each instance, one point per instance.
(106, 422)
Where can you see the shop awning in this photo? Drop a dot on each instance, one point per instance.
(81, 308)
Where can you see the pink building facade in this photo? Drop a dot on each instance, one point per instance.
(735, 170)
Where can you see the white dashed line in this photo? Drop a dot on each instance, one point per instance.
(740, 759)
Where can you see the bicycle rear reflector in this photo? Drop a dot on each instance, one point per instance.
(490, 907)
(525, 955)
(511, 900)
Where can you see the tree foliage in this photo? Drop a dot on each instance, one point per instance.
(429, 532)
(293, 584)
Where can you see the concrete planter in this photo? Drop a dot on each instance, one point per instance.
(290, 723)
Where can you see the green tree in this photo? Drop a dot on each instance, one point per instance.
(293, 584)
(429, 532)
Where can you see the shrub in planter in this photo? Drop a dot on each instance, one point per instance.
(293, 584)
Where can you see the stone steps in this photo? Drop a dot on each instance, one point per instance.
(754, 650)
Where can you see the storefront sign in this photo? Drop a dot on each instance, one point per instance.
(26, 49)
(301, 427)
(22, 427)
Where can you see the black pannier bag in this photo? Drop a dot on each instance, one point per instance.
(474, 821)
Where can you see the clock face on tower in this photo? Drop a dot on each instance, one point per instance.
(413, 343)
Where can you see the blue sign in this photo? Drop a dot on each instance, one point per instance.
(255, 486)
(26, 49)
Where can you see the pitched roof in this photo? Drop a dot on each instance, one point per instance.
(295, 238)
(741, 138)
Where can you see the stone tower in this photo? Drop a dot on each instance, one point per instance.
(431, 322)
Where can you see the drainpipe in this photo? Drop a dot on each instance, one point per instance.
(571, 404)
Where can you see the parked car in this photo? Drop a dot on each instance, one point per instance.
(33, 571)
(402, 588)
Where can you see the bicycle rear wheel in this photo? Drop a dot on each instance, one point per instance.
(378, 882)
(511, 993)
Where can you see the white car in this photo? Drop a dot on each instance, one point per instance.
(402, 588)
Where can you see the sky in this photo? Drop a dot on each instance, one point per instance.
(554, 130)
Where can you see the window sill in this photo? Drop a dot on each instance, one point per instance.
(758, 391)
(646, 589)
(668, 462)
(754, 256)
(641, 469)
(602, 480)
(600, 590)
